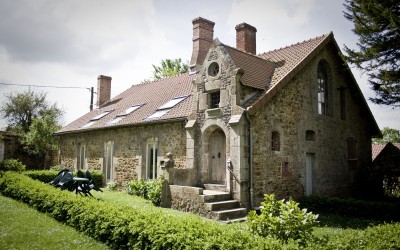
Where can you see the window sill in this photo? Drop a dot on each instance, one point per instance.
(213, 113)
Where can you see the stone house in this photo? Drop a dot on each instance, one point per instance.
(385, 171)
(291, 121)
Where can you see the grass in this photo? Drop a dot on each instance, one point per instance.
(22, 227)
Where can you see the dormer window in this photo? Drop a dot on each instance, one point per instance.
(163, 109)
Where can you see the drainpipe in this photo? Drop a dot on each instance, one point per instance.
(250, 133)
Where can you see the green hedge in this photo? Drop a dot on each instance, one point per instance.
(385, 211)
(47, 176)
(126, 227)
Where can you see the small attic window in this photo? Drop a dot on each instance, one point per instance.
(123, 114)
(213, 69)
(96, 118)
(129, 110)
(171, 103)
(163, 109)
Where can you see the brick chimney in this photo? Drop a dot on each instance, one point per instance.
(203, 35)
(246, 38)
(103, 89)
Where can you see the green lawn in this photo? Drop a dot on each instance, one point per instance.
(22, 227)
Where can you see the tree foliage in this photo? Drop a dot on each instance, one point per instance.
(33, 119)
(169, 67)
(20, 109)
(389, 135)
(377, 25)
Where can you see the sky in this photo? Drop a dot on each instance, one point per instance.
(70, 43)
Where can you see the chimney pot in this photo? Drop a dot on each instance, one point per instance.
(246, 38)
(103, 89)
(203, 36)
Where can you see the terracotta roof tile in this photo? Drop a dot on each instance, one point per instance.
(150, 95)
(257, 71)
(376, 149)
(289, 57)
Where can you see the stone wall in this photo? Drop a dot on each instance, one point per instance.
(129, 151)
(293, 111)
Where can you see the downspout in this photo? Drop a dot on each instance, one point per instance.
(250, 134)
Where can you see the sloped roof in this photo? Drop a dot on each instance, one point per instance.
(150, 96)
(257, 71)
(289, 61)
(268, 72)
(378, 147)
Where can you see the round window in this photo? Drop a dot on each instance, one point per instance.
(213, 69)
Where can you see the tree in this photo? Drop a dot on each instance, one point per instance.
(39, 139)
(34, 119)
(377, 25)
(21, 109)
(389, 135)
(169, 67)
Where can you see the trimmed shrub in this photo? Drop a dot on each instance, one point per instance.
(47, 176)
(150, 190)
(125, 227)
(12, 165)
(283, 220)
(385, 211)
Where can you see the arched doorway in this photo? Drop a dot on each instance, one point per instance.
(217, 157)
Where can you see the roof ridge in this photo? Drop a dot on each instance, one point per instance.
(247, 53)
(158, 80)
(298, 43)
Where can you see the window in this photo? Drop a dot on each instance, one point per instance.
(108, 161)
(151, 158)
(343, 113)
(310, 135)
(214, 99)
(323, 90)
(96, 118)
(213, 69)
(351, 149)
(81, 159)
(275, 141)
(163, 109)
(123, 114)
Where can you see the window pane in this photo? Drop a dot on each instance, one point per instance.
(158, 113)
(214, 100)
(172, 103)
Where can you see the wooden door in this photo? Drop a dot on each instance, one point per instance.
(217, 157)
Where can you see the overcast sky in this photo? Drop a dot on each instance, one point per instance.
(69, 43)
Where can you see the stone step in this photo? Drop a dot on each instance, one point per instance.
(215, 187)
(221, 205)
(229, 214)
(209, 197)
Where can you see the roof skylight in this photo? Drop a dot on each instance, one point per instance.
(96, 118)
(163, 109)
(123, 114)
(171, 103)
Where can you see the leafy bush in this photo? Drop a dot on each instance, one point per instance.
(12, 165)
(56, 168)
(150, 190)
(47, 176)
(129, 227)
(282, 220)
(112, 186)
(387, 211)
